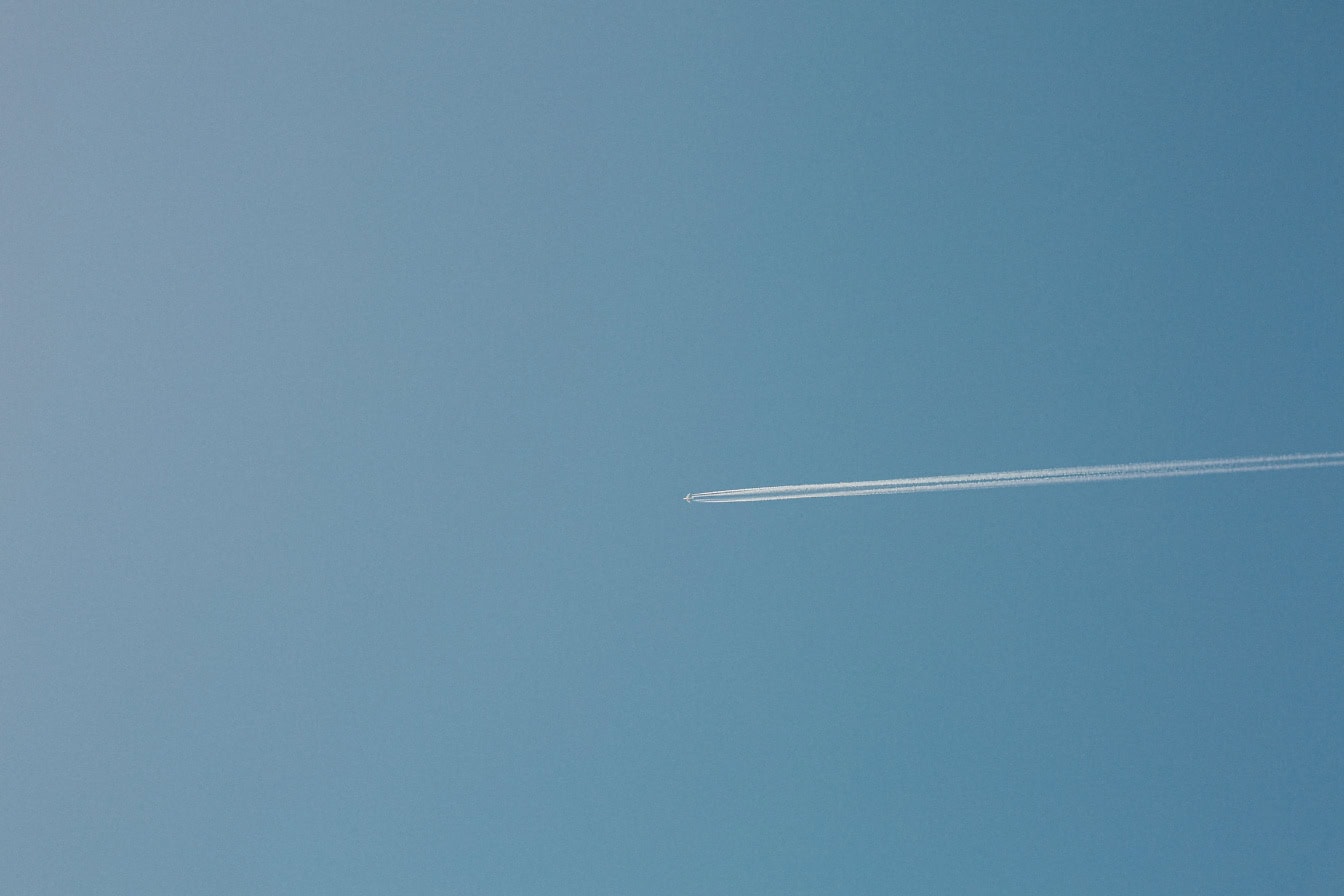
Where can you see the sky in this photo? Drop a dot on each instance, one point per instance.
(355, 358)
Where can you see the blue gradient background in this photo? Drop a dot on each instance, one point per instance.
(354, 360)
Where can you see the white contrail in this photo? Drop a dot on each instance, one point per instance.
(962, 482)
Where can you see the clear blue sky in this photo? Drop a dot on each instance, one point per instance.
(354, 360)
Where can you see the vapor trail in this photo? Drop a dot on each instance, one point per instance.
(1151, 470)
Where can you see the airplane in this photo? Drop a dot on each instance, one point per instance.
(687, 499)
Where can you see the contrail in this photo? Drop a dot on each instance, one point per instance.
(1151, 470)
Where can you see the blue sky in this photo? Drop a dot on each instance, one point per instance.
(356, 359)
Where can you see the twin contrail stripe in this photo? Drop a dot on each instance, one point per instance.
(963, 482)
